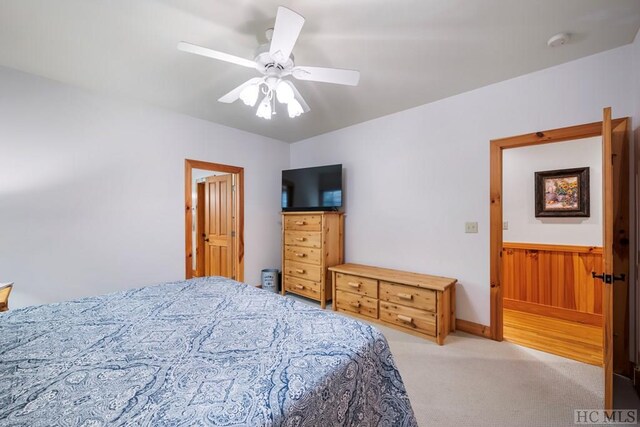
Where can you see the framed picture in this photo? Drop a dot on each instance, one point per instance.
(562, 193)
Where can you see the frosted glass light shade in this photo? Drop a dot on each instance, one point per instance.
(264, 109)
(294, 108)
(249, 95)
(284, 93)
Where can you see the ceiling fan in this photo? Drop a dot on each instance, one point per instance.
(275, 62)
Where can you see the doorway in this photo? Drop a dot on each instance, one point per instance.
(214, 220)
(615, 241)
(552, 243)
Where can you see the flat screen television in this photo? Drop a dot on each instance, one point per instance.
(312, 189)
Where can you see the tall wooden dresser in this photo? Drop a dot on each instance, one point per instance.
(311, 243)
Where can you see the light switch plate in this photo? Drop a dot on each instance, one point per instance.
(471, 227)
(505, 225)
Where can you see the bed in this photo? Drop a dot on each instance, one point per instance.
(207, 351)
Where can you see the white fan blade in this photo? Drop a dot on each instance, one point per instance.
(210, 53)
(235, 93)
(305, 106)
(285, 34)
(327, 75)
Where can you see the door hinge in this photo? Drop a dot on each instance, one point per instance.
(618, 278)
(233, 234)
(608, 278)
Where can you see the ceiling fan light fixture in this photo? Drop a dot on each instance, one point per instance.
(264, 109)
(294, 108)
(249, 95)
(284, 93)
(275, 62)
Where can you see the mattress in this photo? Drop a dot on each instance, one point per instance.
(203, 352)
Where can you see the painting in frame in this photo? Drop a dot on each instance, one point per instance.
(562, 193)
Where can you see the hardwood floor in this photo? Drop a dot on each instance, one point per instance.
(565, 338)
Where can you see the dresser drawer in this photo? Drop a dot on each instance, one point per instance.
(302, 254)
(307, 239)
(303, 271)
(410, 318)
(302, 287)
(410, 296)
(355, 303)
(303, 222)
(355, 284)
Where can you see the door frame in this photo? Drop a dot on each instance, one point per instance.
(495, 210)
(238, 213)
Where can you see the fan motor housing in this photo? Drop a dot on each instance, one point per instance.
(267, 65)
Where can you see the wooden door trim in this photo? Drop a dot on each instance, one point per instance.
(495, 197)
(238, 242)
(200, 245)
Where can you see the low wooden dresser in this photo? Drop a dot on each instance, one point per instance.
(417, 303)
(311, 242)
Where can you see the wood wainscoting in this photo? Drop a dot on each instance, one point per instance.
(551, 302)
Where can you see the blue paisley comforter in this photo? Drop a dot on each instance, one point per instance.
(203, 352)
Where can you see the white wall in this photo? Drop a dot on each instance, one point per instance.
(92, 190)
(414, 178)
(518, 193)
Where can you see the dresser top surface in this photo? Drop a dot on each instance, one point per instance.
(312, 213)
(426, 281)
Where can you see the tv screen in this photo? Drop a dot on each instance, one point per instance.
(312, 189)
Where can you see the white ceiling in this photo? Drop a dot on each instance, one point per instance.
(409, 52)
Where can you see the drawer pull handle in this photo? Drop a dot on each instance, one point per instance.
(299, 287)
(405, 296)
(300, 223)
(301, 255)
(301, 239)
(404, 318)
(354, 284)
(299, 270)
(355, 304)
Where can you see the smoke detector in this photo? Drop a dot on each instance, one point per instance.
(558, 40)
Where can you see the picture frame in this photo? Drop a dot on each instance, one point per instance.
(562, 193)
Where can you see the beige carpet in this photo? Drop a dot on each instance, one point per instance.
(475, 382)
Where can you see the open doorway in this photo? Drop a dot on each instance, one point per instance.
(552, 243)
(616, 242)
(214, 220)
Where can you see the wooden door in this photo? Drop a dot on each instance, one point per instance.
(615, 177)
(218, 224)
